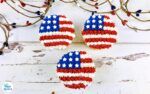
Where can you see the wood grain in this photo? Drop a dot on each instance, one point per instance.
(34, 70)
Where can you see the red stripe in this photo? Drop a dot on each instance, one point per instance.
(65, 22)
(82, 52)
(62, 16)
(101, 46)
(107, 17)
(81, 70)
(111, 40)
(76, 86)
(86, 60)
(81, 78)
(109, 24)
(56, 43)
(66, 29)
(102, 32)
(46, 37)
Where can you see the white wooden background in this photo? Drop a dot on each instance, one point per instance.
(33, 70)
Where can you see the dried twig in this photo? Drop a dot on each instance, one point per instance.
(114, 11)
(38, 16)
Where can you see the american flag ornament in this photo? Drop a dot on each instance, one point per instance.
(56, 32)
(76, 70)
(99, 32)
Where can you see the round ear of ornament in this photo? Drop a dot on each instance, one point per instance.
(99, 32)
(56, 32)
(76, 70)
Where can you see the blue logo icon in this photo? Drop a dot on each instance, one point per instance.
(7, 87)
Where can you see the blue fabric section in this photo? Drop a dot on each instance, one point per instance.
(95, 22)
(50, 24)
(70, 61)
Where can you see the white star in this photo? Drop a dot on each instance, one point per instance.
(70, 65)
(54, 16)
(99, 16)
(76, 53)
(100, 26)
(93, 26)
(54, 22)
(76, 59)
(48, 27)
(87, 26)
(64, 65)
(76, 65)
(100, 21)
(54, 26)
(64, 59)
(88, 21)
(70, 54)
(58, 65)
(42, 28)
(48, 22)
(44, 22)
(70, 59)
(49, 16)
(93, 21)
(93, 16)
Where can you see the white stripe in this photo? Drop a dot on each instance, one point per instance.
(84, 64)
(98, 43)
(75, 82)
(66, 25)
(56, 40)
(56, 47)
(84, 56)
(99, 36)
(110, 28)
(57, 33)
(87, 65)
(60, 74)
(108, 20)
(63, 19)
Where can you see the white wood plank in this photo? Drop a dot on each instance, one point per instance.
(29, 56)
(120, 71)
(34, 70)
(111, 88)
(17, 66)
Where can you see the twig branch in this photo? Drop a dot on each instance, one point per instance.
(7, 27)
(123, 7)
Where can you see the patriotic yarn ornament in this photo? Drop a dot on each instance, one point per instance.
(76, 70)
(99, 32)
(56, 32)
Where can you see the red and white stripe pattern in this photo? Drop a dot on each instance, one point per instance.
(101, 37)
(76, 74)
(56, 32)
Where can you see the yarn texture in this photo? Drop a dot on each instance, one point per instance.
(76, 70)
(56, 32)
(99, 32)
